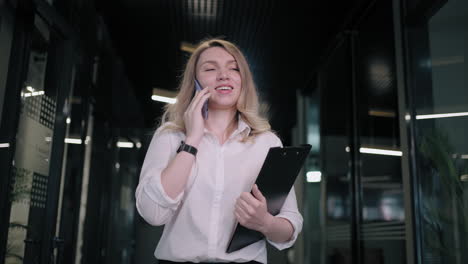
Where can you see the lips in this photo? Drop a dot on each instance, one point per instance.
(224, 87)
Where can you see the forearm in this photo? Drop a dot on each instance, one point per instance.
(279, 229)
(174, 177)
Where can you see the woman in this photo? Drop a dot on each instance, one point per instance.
(198, 173)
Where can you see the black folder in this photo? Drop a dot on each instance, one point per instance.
(275, 180)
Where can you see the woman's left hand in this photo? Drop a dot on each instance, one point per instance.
(251, 211)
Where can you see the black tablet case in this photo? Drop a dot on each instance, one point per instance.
(275, 180)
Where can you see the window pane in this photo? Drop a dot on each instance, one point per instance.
(440, 100)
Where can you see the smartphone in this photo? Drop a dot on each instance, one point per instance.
(205, 105)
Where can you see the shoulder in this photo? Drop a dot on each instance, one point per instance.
(168, 131)
(269, 138)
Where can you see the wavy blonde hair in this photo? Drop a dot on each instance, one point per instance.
(247, 104)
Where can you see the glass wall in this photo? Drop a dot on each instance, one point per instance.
(335, 160)
(360, 144)
(32, 153)
(381, 214)
(6, 39)
(437, 42)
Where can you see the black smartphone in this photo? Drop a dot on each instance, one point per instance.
(205, 105)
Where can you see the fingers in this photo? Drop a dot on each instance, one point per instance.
(199, 95)
(256, 192)
(241, 212)
(198, 106)
(249, 199)
(245, 206)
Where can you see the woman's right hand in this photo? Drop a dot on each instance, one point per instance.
(193, 118)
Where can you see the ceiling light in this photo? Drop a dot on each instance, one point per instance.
(163, 95)
(381, 113)
(4, 145)
(73, 140)
(123, 144)
(381, 151)
(164, 99)
(187, 47)
(314, 176)
(32, 94)
(441, 115)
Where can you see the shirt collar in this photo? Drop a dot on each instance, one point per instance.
(242, 126)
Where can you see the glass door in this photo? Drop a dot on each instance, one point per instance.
(32, 153)
(37, 147)
(437, 44)
(381, 218)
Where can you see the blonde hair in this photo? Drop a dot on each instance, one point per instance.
(247, 104)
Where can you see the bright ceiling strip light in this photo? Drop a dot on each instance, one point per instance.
(4, 145)
(122, 144)
(314, 176)
(163, 99)
(441, 115)
(33, 94)
(381, 151)
(73, 141)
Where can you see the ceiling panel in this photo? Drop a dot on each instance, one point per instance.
(282, 40)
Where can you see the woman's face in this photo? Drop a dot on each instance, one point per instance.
(218, 69)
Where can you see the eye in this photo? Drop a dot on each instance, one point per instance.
(235, 69)
(209, 69)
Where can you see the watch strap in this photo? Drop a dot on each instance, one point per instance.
(187, 148)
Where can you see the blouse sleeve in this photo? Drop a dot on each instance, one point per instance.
(152, 202)
(290, 212)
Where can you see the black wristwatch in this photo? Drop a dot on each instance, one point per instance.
(185, 147)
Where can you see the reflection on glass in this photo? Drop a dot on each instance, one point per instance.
(441, 107)
(32, 153)
(381, 222)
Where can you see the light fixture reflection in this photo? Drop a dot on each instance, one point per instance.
(314, 176)
(441, 115)
(164, 99)
(32, 94)
(381, 151)
(73, 140)
(122, 144)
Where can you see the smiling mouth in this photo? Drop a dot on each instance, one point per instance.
(224, 88)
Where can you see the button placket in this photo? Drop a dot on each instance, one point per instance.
(215, 213)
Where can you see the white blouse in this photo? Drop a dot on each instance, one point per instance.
(200, 221)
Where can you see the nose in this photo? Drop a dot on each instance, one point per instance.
(222, 75)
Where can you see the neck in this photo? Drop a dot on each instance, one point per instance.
(221, 123)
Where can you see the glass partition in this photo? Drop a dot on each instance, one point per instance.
(437, 87)
(381, 217)
(32, 153)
